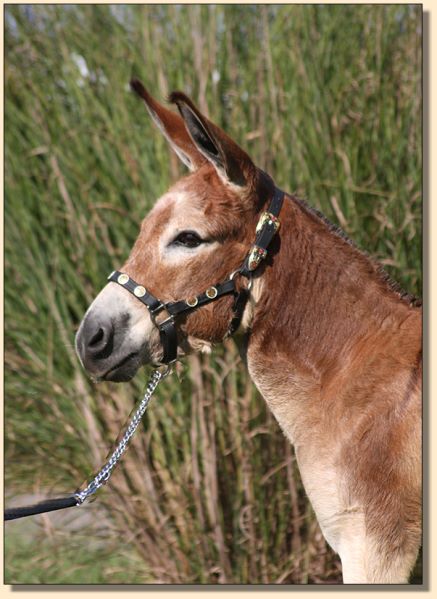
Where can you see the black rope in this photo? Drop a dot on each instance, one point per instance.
(39, 508)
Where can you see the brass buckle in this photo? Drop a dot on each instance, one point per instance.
(256, 254)
(267, 218)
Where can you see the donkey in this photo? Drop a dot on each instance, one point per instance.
(333, 346)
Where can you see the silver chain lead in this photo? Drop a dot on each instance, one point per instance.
(103, 475)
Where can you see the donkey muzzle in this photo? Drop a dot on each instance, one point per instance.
(104, 349)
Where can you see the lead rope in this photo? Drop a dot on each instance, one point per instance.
(104, 474)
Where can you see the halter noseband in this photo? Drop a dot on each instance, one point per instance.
(267, 226)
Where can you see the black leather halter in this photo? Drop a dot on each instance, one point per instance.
(266, 229)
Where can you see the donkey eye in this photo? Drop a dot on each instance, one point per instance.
(188, 239)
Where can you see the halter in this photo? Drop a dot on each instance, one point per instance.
(266, 229)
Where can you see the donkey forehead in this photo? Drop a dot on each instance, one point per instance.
(199, 202)
(177, 208)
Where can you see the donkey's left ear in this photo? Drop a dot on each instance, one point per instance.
(230, 161)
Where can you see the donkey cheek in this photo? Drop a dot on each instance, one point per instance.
(210, 324)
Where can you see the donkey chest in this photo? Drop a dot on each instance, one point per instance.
(287, 395)
(340, 519)
(316, 457)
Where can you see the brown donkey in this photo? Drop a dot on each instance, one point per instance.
(333, 346)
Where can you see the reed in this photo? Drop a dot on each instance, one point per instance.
(209, 491)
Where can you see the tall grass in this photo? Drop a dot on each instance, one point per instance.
(328, 100)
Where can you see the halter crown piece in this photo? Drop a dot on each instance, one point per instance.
(266, 229)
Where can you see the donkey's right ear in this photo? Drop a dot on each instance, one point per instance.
(172, 126)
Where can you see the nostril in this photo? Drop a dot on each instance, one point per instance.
(97, 338)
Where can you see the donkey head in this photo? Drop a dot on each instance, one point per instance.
(195, 236)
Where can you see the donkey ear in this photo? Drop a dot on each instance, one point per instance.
(231, 162)
(172, 126)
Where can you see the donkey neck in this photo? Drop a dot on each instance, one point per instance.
(323, 311)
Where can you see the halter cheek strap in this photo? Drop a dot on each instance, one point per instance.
(266, 229)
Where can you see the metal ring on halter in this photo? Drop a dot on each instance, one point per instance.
(165, 369)
(238, 272)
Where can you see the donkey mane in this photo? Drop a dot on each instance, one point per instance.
(392, 286)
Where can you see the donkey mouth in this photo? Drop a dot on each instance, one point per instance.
(125, 370)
